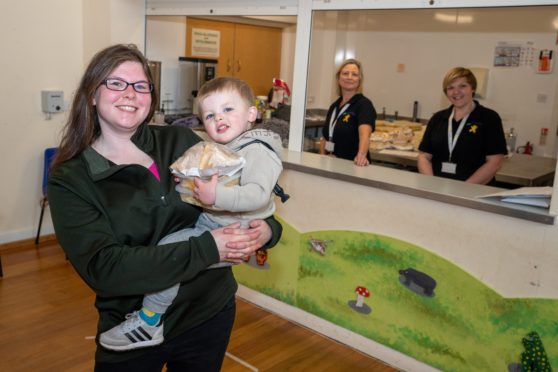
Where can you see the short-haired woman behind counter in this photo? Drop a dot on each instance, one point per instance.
(465, 141)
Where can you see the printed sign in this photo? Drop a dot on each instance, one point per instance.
(205, 43)
(507, 56)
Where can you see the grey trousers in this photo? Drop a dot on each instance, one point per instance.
(160, 301)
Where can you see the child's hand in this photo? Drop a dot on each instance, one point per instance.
(205, 189)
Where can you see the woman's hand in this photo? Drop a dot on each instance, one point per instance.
(488, 170)
(424, 163)
(364, 132)
(235, 244)
(322, 146)
(361, 160)
(264, 232)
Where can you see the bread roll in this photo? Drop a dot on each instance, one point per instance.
(204, 160)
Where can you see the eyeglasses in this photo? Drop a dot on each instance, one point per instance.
(121, 85)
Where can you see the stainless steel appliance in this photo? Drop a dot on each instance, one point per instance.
(193, 73)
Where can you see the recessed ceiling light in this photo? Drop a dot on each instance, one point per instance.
(453, 18)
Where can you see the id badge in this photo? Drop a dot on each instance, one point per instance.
(448, 167)
(329, 146)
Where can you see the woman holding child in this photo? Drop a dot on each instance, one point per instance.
(112, 200)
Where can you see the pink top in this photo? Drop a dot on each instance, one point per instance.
(153, 169)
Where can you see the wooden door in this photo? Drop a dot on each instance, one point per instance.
(257, 52)
(251, 53)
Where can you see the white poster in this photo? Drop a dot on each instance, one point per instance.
(205, 43)
(514, 54)
(507, 56)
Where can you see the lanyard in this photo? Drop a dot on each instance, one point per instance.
(453, 140)
(334, 118)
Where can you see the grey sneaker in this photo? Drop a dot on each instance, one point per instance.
(133, 333)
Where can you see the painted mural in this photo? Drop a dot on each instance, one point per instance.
(408, 299)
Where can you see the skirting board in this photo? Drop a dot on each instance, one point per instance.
(12, 236)
(376, 350)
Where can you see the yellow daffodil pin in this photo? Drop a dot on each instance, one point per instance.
(346, 118)
(473, 128)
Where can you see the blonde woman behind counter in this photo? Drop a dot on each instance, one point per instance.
(465, 141)
(350, 119)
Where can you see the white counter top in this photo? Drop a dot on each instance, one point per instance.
(428, 187)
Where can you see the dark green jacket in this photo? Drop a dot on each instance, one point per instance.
(108, 219)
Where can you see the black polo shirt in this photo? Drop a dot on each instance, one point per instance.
(481, 136)
(345, 133)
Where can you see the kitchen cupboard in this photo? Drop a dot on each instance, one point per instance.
(249, 52)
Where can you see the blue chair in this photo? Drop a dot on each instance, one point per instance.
(49, 156)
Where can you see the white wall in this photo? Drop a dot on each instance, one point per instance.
(165, 42)
(287, 54)
(427, 56)
(46, 45)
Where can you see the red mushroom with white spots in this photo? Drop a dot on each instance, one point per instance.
(359, 305)
(362, 293)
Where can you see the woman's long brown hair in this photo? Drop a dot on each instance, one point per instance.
(82, 127)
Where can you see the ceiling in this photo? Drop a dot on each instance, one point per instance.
(269, 21)
(510, 19)
(523, 19)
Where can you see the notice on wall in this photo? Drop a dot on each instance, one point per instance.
(514, 54)
(507, 55)
(544, 65)
(205, 43)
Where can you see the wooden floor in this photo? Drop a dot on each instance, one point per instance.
(47, 323)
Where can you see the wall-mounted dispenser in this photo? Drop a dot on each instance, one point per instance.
(52, 101)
